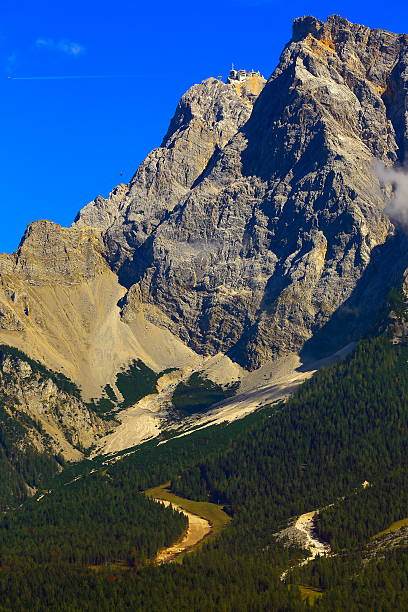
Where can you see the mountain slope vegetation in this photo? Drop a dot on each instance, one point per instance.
(336, 420)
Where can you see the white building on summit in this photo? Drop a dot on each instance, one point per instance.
(241, 76)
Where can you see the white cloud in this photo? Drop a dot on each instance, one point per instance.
(72, 48)
(397, 209)
(63, 45)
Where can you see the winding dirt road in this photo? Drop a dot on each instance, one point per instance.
(198, 529)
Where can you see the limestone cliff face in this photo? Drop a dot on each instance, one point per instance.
(59, 304)
(49, 253)
(256, 229)
(252, 231)
(52, 291)
(207, 117)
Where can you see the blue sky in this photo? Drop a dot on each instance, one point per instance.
(65, 141)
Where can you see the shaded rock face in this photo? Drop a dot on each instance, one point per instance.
(253, 229)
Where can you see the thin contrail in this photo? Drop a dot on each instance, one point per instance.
(73, 76)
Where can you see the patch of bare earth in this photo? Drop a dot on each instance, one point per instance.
(198, 529)
(302, 533)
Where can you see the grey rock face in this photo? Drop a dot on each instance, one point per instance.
(252, 231)
(206, 118)
(53, 421)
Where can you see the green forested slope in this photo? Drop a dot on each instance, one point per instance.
(54, 540)
(20, 463)
(349, 582)
(99, 520)
(345, 426)
(103, 515)
(353, 520)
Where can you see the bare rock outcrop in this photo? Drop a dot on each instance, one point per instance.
(253, 231)
(53, 420)
(59, 304)
(50, 253)
(207, 117)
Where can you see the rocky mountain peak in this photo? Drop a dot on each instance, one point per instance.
(372, 53)
(250, 229)
(254, 226)
(371, 62)
(206, 118)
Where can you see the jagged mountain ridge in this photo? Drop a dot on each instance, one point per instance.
(254, 230)
(251, 249)
(206, 118)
